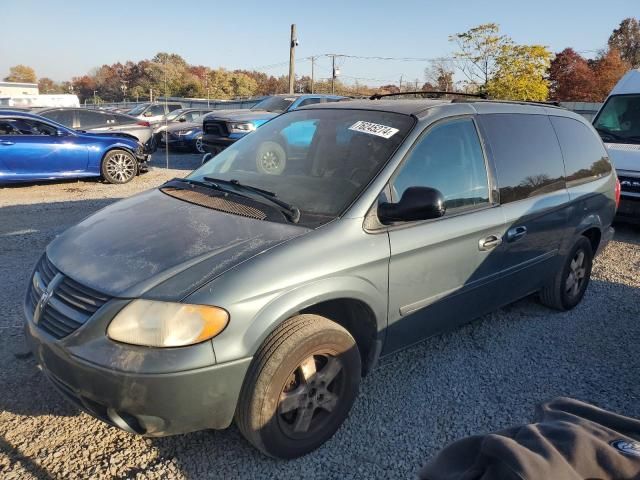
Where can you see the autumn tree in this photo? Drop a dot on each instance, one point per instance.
(626, 39)
(46, 85)
(21, 73)
(608, 68)
(571, 78)
(478, 51)
(520, 73)
(439, 76)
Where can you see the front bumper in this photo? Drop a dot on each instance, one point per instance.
(148, 404)
(629, 209)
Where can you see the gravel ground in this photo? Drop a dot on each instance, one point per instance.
(485, 376)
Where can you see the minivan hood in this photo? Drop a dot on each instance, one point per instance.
(160, 247)
(624, 156)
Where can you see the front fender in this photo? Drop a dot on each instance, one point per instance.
(244, 336)
(96, 155)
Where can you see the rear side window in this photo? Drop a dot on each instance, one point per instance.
(527, 155)
(88, 119)
(124, 119)
(585, 158)
(65, 117)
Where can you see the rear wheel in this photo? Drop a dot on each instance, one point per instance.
(300, 387)
(119, 166)
(567, 288)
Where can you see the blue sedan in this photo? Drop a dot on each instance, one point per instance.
(35, 148)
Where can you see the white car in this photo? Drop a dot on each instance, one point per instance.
(154, 112)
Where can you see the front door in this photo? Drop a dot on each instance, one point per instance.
(33, 149)
(441, 270)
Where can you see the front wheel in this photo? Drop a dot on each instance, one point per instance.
(567, 288)
(197, 145)
(300, 387)
(119, 166)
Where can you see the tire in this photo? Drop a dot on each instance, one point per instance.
(567, 288)
(119, 166)
(300, 387)
(271, 158)
(197, 145)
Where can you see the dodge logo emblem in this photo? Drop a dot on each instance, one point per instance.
(45, 297)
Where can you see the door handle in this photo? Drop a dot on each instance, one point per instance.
(489, 243)
(6, 142)
(516, 233)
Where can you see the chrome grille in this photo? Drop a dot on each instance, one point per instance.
(69, 305)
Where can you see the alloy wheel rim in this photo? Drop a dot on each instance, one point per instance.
(310, 395)
(199, 145)
(121, 167)
(270, 161)
(577, 274)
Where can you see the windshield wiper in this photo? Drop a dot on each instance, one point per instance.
(292, 212)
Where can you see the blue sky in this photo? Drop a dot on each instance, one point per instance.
(65, 39)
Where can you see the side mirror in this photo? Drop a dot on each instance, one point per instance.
(417, 203)
(147, 114)
(182, 119)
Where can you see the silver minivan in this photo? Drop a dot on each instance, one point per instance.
(266, 283)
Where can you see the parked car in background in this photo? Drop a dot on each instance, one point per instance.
(182, 136)
(221, 128)
(618, 123)
(154, 112)
(99, 121)
(265, 295)
(182, 115)
(36, 148)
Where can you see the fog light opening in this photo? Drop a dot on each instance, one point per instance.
(126, 422)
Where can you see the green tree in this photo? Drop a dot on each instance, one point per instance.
(626, 39)
(520, 73)
(21, 73)
(478, 52)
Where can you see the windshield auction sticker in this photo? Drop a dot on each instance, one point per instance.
(374, 129)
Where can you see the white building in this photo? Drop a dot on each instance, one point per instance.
(16, 89)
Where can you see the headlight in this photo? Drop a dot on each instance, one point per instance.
(164, 324)
(241, 127)
(184, 132)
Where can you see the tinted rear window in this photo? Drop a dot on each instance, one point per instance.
(585, 158)
(527, 155)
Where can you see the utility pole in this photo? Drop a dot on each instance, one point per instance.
(400, 83)
(292, 58)
(313, 63)
(333, 74)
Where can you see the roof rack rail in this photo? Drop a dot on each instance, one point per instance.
(516, 102)
(378, 96)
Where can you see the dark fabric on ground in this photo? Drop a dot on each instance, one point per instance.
(570, 440)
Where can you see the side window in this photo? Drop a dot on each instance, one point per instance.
(330, 100)
(173, 106)
(585, 158)
(89, 119)
(309, 101)
(449, 158)
(7, 127)
(21, 126)
(527, 155)
(64, 117)
(156, 110)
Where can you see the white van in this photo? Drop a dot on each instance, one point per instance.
(618, 123)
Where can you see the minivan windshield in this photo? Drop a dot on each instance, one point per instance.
(619, 119)
(274, 104)
(318, 160)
